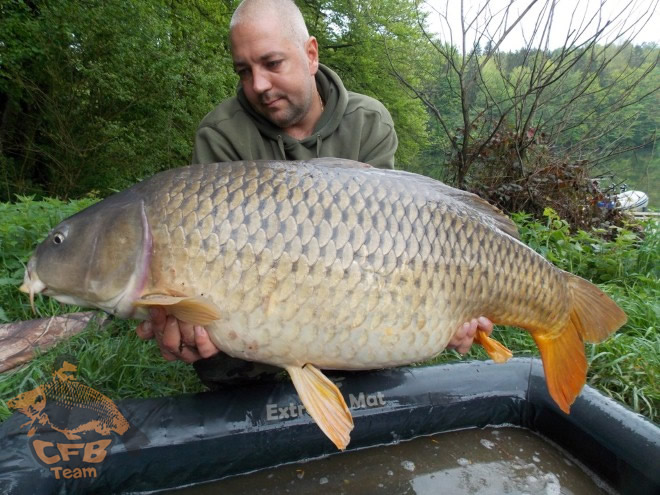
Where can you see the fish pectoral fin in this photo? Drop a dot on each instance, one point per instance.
(324, 403)
(497, 351)
(197, 310)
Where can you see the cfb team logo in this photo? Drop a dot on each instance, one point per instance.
(74, 424)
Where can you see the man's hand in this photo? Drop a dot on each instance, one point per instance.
(177, 339)
(464, 336)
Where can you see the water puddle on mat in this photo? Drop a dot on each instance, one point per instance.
(491, 461)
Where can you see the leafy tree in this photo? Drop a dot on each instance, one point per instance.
(355, 38)
(568, 96)
(95, 94)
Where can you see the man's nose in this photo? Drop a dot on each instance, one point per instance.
(260, 82)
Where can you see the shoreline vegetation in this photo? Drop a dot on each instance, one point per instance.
(115, 362)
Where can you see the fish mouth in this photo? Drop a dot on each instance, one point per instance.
(32, 285)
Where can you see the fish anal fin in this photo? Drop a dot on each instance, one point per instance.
(323, 402)
(197, 310)
(496, 350)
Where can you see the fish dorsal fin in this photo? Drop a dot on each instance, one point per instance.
(481, 206)
(332, 162)
(197, 310)
(323, 402)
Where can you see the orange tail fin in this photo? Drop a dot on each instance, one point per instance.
(594, 316)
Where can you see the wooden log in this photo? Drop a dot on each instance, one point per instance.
(19, 340)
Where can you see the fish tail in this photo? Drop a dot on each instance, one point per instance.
(593, 317)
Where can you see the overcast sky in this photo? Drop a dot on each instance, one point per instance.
(561, 19)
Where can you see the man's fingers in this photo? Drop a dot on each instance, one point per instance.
(167, 355)
(177, 339)
(170, 339)
(187, 331)
(157, 315)
(468, 331)
(189, 355)
(205, 346)
(145, 330)
(464, 336)
(486, 325)
(148, 329)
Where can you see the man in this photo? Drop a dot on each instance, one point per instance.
(288, 107)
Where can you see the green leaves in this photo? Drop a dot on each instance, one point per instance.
(101, 93)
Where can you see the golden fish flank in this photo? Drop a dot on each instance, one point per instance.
(324, 264)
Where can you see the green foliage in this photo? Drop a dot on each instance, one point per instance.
(588, 254)
(355, 39)
(96, 94)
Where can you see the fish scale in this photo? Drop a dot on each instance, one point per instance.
(266, 227)
(322, 264)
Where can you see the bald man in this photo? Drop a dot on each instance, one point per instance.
(288, 107)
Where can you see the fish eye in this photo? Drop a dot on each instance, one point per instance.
(58, 238)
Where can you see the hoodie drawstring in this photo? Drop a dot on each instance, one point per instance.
(318, 146)
(280, 144)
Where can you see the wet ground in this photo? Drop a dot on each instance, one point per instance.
(492, 461)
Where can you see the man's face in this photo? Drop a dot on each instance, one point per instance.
(277, 75)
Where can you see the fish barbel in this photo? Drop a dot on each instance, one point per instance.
(322, 264)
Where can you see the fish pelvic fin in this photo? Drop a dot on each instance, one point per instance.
(593, 317)
(197, 310)
(496, 351)
(324, 403)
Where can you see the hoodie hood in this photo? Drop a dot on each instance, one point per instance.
(335, 101)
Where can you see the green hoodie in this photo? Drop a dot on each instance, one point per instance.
(352, 126)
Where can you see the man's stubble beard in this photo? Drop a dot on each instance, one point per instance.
(292, 114)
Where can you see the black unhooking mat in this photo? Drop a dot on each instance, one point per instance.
(179, 441)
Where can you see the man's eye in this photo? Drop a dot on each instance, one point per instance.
(242, 73)
(273, 64)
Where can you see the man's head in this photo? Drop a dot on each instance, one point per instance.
(275, 58)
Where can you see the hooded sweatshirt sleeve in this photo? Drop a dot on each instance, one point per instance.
(211, 147)
(380, 144)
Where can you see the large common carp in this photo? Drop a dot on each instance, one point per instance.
(324, 264)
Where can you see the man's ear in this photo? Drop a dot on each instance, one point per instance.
(312, 52)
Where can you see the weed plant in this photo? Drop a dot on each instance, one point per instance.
(114, 361)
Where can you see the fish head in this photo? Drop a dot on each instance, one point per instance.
(96, 258)
(30, 403)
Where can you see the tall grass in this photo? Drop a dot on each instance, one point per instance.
(115, 362)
